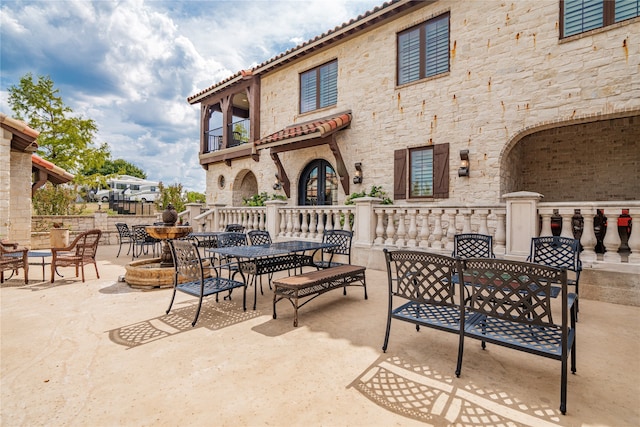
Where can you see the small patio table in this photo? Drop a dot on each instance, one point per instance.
(279, 256)
(36, 254)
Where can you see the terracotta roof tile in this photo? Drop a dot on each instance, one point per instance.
(314, 129)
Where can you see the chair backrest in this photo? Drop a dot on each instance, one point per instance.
(186, 260)
(421, 276)
(511, 290)
(86, 243)
(231, 239)
(139, 233)
(235, 228)
(123, 230)
(340, 237)
(556, 251)
(259, 237)
(472, 245)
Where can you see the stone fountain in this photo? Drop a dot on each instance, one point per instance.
(157, 272)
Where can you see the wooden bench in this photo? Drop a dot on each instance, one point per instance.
(301, 289)
(506, 303)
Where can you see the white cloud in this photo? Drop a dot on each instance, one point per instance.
(130, 65)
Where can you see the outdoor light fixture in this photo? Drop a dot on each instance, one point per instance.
(357, 179)
(464, 163)
(277, 184)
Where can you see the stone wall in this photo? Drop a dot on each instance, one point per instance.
(80, 223)
(5, 182)
(509, 72)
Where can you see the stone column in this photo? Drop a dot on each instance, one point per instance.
(522, 221)
(273, 217)
(364, 228)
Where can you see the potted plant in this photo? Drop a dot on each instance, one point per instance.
(59, 236)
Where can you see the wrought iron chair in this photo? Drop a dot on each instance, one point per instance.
(142, 241)
(124, 237)
(472, 245)
(234, 228)
(421, 291)
(559, 252)
(191, 279)
(259, 237)
(343, 239)
(13, 258)
(80, 252)
(226, 240)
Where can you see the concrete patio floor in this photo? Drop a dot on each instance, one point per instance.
(102, 354)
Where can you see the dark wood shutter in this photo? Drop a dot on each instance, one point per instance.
(400, 174)
(441, 171)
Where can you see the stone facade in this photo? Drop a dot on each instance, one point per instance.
(516, 95)
(15, 192)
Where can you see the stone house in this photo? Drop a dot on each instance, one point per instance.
(449, 106)
(535, 109)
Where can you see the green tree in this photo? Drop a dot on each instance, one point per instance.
(65, 139)
(195, 197)
(171, 194)
(115, 167)
(55, 200)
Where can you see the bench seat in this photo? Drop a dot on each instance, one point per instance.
(301, 289)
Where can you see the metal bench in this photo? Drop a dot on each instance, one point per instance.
(301, 289)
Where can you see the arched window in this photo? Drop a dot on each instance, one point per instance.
(318, 185)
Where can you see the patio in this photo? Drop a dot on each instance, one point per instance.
(104, 354)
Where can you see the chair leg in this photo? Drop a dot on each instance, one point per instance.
(96, 266)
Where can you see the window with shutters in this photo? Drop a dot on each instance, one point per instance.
(423, 51)
(421, 172)
(579, 16)
(319, 87)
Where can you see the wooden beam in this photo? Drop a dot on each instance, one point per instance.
(340, 166)
(286, 185)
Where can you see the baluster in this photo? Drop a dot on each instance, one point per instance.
(223, 220)
(501, 233)
(321, 226)
(261, 225)
(347, 219)
(296, 222)
(336, 219)
(483, 214)
(567, 226)
(289, 222)
(588, 239)
(437, 229)
(313, 225)
(390, 227)
(451, 230)
(466, 221)
(546, 224)
(304, 229)
(413, 229)
(283, 222)
(379, 227)
(634, 238)
(424, 230)
(401, 231)
(612, 238)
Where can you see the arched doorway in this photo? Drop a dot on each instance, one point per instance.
(318, 184)
(244, 187)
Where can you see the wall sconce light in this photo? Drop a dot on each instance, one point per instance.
(277, 184)
(357, 179)
(464, 163)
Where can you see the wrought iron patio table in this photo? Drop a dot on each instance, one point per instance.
(255, 260)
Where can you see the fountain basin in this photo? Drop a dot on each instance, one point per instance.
(148, 274)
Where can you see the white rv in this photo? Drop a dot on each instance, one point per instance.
(132, 188)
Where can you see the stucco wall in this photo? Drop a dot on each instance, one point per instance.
(509, 72)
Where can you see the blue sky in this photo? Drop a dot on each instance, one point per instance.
(130, 64)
